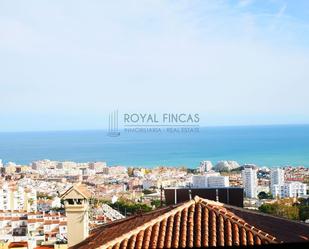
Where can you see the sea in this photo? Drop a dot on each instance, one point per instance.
(271, 146)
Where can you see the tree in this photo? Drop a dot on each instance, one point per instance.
(148, 191)
(303, 212)
(264, 195)
(157, 203)
(130, 171)
(282, 210)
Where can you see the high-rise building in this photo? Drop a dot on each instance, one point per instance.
(276, 182)
(249, 177)
(282, 189)
(277, 176)
(205, 166)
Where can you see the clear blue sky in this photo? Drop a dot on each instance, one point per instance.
(66, 64)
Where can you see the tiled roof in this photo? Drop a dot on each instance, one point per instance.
(197, 223)
(283, 229)
(81, 188)
(18, 244)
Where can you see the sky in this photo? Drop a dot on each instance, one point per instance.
(67, 64)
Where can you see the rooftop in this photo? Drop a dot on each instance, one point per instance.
(196, 223)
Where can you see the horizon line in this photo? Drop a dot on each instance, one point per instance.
(200, 126)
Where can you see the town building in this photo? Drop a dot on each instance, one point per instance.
(205, 166)
(210, 180)
(289, 189)
(15, 197)
(249, 177)
(33, 228)
(285, 189)
(97, 166)
(218, 182)
(277, 176)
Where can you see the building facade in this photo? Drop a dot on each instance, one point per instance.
(17, 198)
(289, 189)
(249, 177)
(210, 180)
(205, 166)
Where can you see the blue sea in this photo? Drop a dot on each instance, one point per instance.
(262, 145)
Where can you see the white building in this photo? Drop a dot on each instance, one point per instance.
(205, 166)
(199, 181)
(67, 165)
(33, 228)
(44, 164)
(277, 176)
(281, 189)
(17, 198)
(210, 180)
(289, 189)
(97, 166)
(249, 177)
(148, 183)
(218, 181)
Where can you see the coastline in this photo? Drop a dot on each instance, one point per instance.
(271, 146)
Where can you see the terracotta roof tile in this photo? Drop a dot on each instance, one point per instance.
(18, 244)
(283, 229)
(197, 223)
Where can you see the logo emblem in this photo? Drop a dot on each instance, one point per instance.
(113, 124)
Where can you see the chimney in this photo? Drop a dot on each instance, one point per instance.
(77, 209)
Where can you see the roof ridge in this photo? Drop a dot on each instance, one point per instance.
(149, 223)
(236, 219)
(146, 222)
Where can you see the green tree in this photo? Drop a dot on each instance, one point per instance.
(303, 212)
(282, 210)
(157, 203)
(264, 195)
(148, 191)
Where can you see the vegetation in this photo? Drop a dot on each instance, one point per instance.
(191, 171)
(44, 196)
(288, 209)
(289, 212)
(157, 203)
(148, 191)
(303, 212)
(237, 170)
(130, 171)
(125, 207)
(264, 195)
